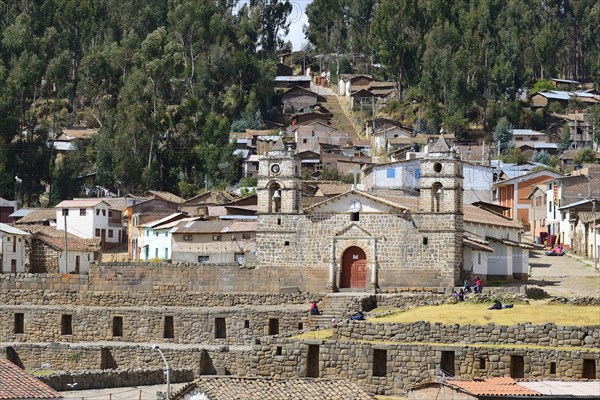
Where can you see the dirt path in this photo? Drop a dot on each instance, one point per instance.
(564, 276)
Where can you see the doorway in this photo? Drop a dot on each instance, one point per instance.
(354, 268)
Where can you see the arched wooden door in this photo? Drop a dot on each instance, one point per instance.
(354, 269)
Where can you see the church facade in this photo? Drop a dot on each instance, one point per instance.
(359, 240)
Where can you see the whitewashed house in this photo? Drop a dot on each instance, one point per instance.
(154, 238)
(405, 176)
(14, 249)
(492, 247)
(90, 219)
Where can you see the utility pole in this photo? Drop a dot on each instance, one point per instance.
(65, 212)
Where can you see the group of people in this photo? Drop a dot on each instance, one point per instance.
(476, 285)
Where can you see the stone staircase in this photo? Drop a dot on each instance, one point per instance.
(340, 120)
(341, 306)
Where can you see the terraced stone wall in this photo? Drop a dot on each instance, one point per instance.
(539, 335)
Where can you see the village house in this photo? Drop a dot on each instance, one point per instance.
(513, 193)
(347, 81)
(20, 384)
(89, 219)
(38, 216)
(7, 207)
(48, 251)
(214, 242)
(154, 238)
(538, 213)
(298, 98)
(568, 195)
(567, 160)
(405, 176)
(15, 246)
(141, 213)
(543, 99)
(585, 236)
(382, 130)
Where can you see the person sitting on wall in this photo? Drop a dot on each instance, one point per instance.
(477, 288)
(461, 295)
(467, 286)
(314, 310)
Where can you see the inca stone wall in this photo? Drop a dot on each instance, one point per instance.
(538, 335)
(147, 324)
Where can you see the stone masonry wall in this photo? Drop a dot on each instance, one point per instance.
(407, 365)
(147, 324)
(538, 335)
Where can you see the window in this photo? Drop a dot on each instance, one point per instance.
(65, 212)
(391, 173)
(82, 212)
(312, 361)
(425, 241)
(97, 211)
(156, 253)
(278, 221)
(110, 233)
(286, 243)
(203, 259)
(220, 328)
(304, 140)
(447, 362)
(589, 369)
(166, 234)
(19, 326)
(66, 327)
(117, 326)
(8, 238)
(97, 232)
(155, 233)
(273, 326)
(216, 238)
(481, 363)
(379, 362)
(300, 326)
(517, 367)
(552, 368)
(104, 213)
(246, 324)
(246, 236)
(168, 329)
(278, 350)
(187, 238)
(354, 216)
(110, 214)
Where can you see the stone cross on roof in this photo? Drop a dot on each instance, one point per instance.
(442, 149)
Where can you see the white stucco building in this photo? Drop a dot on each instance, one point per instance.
(14, 249)
(154, 238)
(90, 219)
(404, 175)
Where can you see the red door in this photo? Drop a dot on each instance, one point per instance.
(354, 269)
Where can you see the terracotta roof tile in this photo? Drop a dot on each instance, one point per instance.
(56, 239)
(275, 389)
(493, 387)
(38, 215)
(17, 384)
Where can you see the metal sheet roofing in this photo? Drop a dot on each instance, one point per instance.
(11, 229)
(79, 203)
(561, 388)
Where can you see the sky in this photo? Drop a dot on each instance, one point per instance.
(297, 20)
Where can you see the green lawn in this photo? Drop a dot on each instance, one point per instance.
(473, 313)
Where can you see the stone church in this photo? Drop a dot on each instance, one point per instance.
(359, 240)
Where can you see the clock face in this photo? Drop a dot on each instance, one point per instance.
(275, 168)
(355, 206)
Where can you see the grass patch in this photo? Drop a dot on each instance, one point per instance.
(316, 334)
(474, 313)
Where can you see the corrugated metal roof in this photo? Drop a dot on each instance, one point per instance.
(214, 227)
(297, 78)
(20, 213)
(561, 388)
(12, 230)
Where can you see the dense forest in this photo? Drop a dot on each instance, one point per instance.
(462, 60)
(164, 81)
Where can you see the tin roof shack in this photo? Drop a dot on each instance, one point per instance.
(214, 242)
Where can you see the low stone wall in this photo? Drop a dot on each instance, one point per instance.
(538, 335)
(100, 379)
(201, 360)
(411, 299)
(237, 325)
(580, 301)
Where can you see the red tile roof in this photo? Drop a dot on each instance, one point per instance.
(493, 387)
(17, 384)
